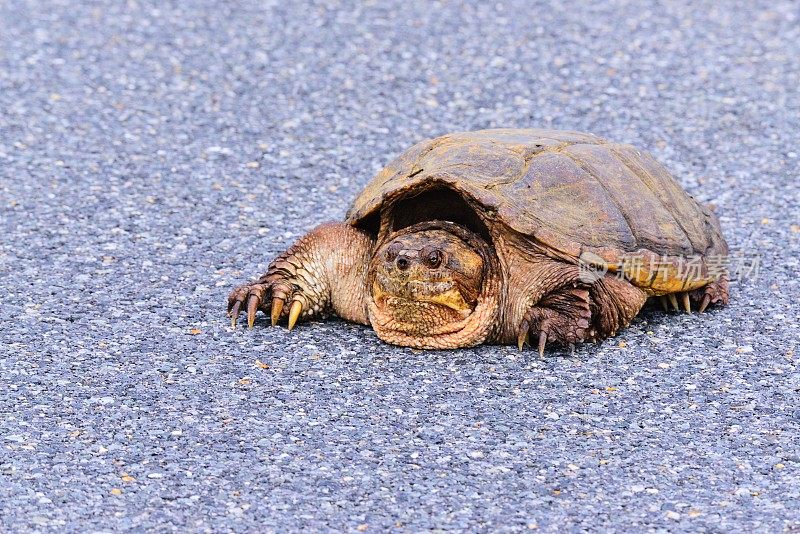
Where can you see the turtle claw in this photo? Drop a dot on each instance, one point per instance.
(269, 295)
(234, 313)
(294, 313)
(686, 304)
(249, 296)
(674, 301)
(522, 339)
(277, 308)
(252, 307)
(524, 335)
(568, 325)
(542, 343)
(714, 293)
(705, 303)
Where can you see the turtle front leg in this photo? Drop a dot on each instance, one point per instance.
(545, 301)
(324, 271)
(581, 312)
(562, 317)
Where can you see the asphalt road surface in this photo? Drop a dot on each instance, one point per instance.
(155, 154)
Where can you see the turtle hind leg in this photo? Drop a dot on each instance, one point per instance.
(614, 304)
(715, 293)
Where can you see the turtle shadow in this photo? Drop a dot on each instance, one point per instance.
(653, 313)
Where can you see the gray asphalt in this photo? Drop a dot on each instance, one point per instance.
(154, 154)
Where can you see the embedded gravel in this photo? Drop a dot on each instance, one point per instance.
(155, 154)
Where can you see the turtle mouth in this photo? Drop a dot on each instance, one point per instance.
(445, 293)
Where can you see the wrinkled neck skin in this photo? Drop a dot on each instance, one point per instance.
(434, 285)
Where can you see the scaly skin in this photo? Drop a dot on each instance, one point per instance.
(324, 271)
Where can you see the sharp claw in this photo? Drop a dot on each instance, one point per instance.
(542, 342)
(235, 313)
(277, 308)
(252, 308)
(523, 336)
(705, 303)
(664, 302)
(686, 304)
(294, 313)
(673, 301)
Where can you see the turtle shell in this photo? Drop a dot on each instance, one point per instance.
(573, 193)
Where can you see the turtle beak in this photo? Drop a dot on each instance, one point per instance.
(451, 298)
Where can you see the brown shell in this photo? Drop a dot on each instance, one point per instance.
(572, 192)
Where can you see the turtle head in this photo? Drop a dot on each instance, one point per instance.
(427, 281)
(428, 270)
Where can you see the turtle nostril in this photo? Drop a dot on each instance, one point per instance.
(393, 250)
(402, 263)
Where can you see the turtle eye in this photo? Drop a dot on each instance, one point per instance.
(433, 259)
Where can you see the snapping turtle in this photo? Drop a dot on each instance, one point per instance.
(493, 235)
